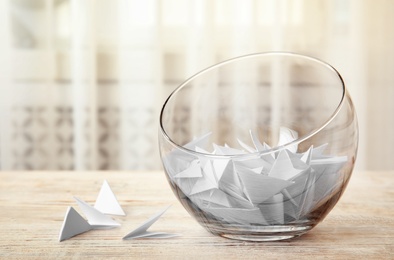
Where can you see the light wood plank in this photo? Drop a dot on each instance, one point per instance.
(33, 204)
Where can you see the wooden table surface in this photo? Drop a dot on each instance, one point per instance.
(34, 204)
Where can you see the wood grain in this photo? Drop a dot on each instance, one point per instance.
(33, 204)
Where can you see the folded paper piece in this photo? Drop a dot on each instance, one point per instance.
(259, 187)
(194, 171)
(246, 147)
(95, 218)
(141, 231)
(198, 142)
(107, 203)
(73, 224)
(270, 188)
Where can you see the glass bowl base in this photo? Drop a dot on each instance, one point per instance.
(263, 234)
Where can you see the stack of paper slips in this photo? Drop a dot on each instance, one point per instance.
(255, 188)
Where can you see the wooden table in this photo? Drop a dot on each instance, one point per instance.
(33, 205)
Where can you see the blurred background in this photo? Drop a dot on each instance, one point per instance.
(82, 81)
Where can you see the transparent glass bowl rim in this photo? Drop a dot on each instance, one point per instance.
(273, 149)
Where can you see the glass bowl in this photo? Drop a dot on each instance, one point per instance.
(260, 147)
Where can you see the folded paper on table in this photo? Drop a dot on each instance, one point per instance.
(73, 224)
(106, 201)
(141, 231)
(95, 218)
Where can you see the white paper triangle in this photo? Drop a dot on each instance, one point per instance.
(209, 172)
(106, 201)
(230, 183)
(256, 142)
(185, 184)
(283, 167)
(307, 202)
(254, 163)
(258, 170)
(152, 235)
(246, 147)
(297, 162)
(203, 184)
(141, 231)
(258, 187)
(273, 210)
(226, 150)
(219, 166)
(307, 156)
(73, 224)
(217, 150)
(200, 150)
(199, 141)
(329, 165)
(326, 184)
(95, 218)
(203, 159)
(174, 163)
(318, 151)
(296, 193)
(215, 196)
(330, 160)
(288, 196)
(266, 146)
(270, 158)
(194, 171)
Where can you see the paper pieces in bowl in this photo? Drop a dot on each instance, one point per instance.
(255, 188)
(97, 218)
